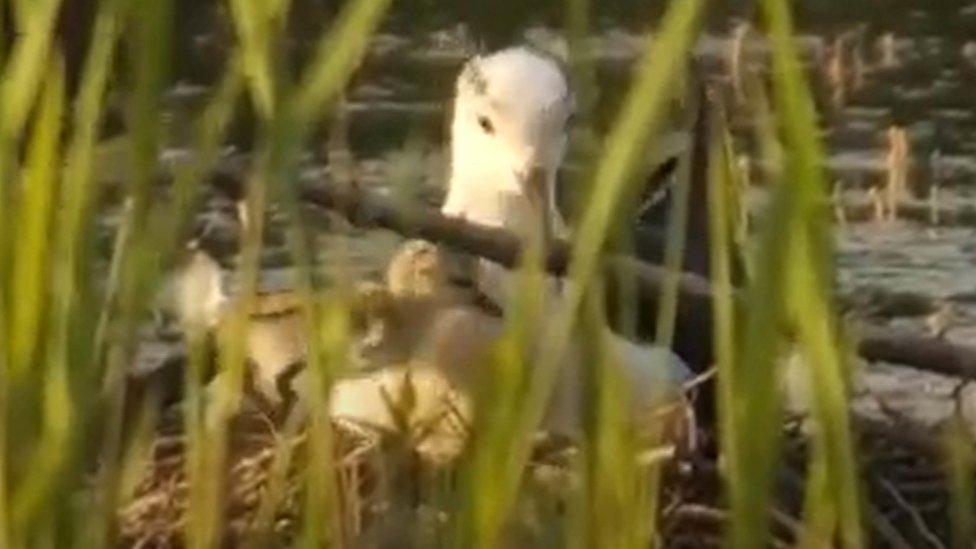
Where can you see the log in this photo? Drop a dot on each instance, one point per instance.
(927, 353)
(694, 315)
(918, 211)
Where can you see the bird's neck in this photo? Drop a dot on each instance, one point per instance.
(480, 198)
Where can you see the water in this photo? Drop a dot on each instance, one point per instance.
(911, 63)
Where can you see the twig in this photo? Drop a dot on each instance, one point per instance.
(887, 531)
(913, 513)
(700, 512)
(694, 315)
(922, 352)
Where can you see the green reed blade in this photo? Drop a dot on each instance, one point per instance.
(639, 119)
(22, 74)
(329, 347)
(833, 444)
(751, 390)
(3, 37)
(24, 69)
(694, 165)
(620, 494)
(960, 464)
(812, 273)
(31, 252)
(794, 266)
(79, 187)
(56, 465)
(337, 55)
(581, 62)
(258, 24)
(73, 258)
(489, 485)
(725, 329)
(135, 254)
(30, 284)
(499, 476)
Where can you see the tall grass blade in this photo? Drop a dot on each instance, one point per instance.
(336, 57)
(72, 335)
(136, 254)
(791, 287)
(3, 37)
(751, 426)
(500, 402)
(338, 54)
(960, 472)
(38, 190)
(23, 71)
(330, 329)
(640, 117)
(726, 329)
(811, 272)
(620, 494)
(695, 166)
(581, 61)
(282, 133)
(258, 24)
(30, 283)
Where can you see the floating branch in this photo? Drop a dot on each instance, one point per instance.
(912, 210)
(694, 315)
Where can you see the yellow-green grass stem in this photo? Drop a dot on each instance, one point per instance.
(136, 255)
(812, 273)
(23, 71)
(31, 283)
(640, 117)
(724, 312)
(960, 467)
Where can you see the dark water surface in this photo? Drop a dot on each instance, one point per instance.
(875, 64)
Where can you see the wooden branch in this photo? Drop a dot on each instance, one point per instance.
(694, 317)
(913, 210)
(925, 353)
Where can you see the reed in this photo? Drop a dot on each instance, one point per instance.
(960, 463)
(69, 318)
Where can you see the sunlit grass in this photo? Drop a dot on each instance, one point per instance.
(791, 289)
(960, 459)
(30, 281)
(810, 277)
(66, 341)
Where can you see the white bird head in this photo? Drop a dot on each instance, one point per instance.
(508, 138)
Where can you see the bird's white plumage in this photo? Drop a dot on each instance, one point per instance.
(510, 115)
(508, 139)
(526, 98)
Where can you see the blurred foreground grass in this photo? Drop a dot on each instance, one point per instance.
(68, 339)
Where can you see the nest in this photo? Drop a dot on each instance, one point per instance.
(906, 497)
(262, 490)
(383, 489)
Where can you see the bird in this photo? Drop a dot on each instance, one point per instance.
(434, 355)
(509, 133)
(420, 336)
(421, 344)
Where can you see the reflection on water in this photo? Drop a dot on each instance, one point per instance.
(903, 74)
(910, 66)
(900, 75)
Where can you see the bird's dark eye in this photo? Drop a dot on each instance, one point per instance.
(486, 124)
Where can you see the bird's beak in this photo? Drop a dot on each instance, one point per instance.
(533, 181)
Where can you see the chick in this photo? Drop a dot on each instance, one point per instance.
(436, 345)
